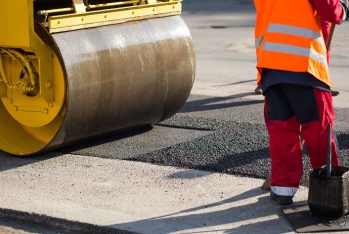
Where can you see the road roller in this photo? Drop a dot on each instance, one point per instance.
(75, 70)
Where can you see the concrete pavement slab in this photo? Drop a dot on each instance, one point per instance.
(143, 198)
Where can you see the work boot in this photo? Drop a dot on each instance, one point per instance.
(281, 200)
(334, 92)
(258, 90)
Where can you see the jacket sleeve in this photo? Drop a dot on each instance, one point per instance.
(329, 10)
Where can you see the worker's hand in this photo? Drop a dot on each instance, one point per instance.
(345, 5)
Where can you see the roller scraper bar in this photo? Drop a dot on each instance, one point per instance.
(85, 14)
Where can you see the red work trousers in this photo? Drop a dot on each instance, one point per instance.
(291, 109)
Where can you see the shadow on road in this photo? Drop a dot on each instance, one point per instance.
(235, 83)
(8, 162)
(206, 104)
(105, 139)
(204, 217)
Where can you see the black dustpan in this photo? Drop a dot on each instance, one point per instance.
(329, 187)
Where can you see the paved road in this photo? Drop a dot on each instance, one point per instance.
(199, 171)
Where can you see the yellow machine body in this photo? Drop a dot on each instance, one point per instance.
(72, 70)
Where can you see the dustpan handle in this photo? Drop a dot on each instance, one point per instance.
(329, 150)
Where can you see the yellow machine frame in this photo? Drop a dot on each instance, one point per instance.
(21, 49)
(141, 9)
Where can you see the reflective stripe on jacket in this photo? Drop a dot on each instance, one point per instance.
(288, 37)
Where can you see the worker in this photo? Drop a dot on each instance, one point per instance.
(325, 27)
(293, 73)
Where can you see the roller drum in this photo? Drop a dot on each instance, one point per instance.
(117, 77)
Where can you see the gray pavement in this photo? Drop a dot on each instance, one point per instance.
(140, 197)
(198, 172)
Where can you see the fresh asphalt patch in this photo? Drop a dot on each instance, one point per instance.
(220, 134)
(136, 142)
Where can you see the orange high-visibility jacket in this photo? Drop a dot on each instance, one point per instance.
(288, 37)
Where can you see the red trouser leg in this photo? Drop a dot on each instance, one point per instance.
(285, 152)
(315, 133)
(287, 107)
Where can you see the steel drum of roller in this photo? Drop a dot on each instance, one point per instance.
(104, 79)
